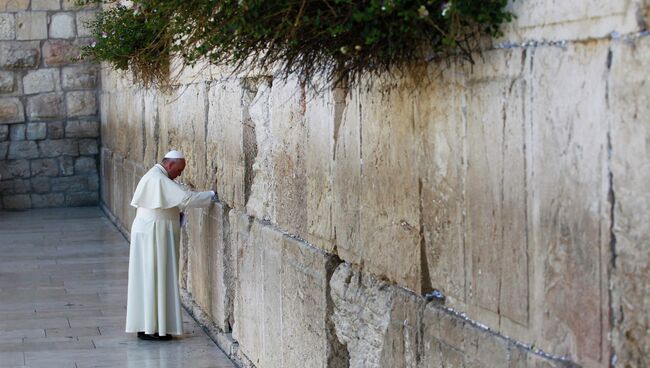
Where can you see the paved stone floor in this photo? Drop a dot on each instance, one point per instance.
(63, 277)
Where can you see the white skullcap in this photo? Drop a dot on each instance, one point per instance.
(174, 155)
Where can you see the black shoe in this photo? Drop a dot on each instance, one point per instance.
(154, 337)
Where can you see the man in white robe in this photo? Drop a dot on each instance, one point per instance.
(153, 307)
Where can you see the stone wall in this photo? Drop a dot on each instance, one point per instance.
(49, 126)
(516, 188)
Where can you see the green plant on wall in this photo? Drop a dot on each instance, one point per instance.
(331, 39)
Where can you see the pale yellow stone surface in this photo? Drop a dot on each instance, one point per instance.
(629, 108)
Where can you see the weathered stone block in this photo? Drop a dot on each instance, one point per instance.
(82, 199)
(390, 220)
(40, 184)
(17, 132)
(60, 52)
(85, 165)
(31, 25)
(47, 200)
(7, 82)
(4, 132)
(42, 80)
(569, 200)
(82, 129)
(19, 55)
(281, 308)
(62, 25)
(81, 103)
(83, 18)
(80, 77)
(15, 186)
(629, 147)
(346, 182)
(13, 5)
(209, 267)
(36, 131)
(288, 160)
(361, 315)
(11, 111)
(70, 184)
(10, 169)
(22, 149)
(72, 5)
(45, 167)
(55, 130)
(66, 165)
(46, 5)
(45, 106)
(7, 26)
(58, 147)
(324, 112)
(224, 133)
(260, 202)
(17, 202)
(88, 147)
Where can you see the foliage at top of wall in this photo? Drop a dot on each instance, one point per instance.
(335, 39)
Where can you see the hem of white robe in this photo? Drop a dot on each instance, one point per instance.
(155, 331)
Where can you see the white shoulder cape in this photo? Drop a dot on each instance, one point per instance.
(157, 191)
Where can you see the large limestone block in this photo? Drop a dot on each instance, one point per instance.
(7, 82)
(13, 5)
(288, 101)
(184, 118)
(440, 118)
(281, 306)
(209, 262)
(62, 25)
(19, 55)
(495, 187)
(42, 80)
(46, 5)
(83, 20)
(46, 106)
(124, 114)
(567, 176)
(261, 201)
(227, 105)
(346, 184)
(151, 120)
(571, 20)
(82, 103)
(382, 325)
(31, 25)
(629, 101)
(258, 309)
(60, 52)
(390, 201)
(79, 77)
(11, 111)
(323, 115)
(361, 315)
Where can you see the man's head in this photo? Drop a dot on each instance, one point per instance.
(174, 163)
(174, 166)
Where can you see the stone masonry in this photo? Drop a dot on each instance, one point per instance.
(49, 122)
(494, 217)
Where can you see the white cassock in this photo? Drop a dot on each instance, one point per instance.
(153, 303)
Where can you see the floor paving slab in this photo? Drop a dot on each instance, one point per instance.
(63, 277)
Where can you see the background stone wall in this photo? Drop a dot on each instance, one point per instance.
(49, 126)
(517, 187)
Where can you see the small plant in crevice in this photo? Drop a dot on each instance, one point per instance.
(339, 40)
